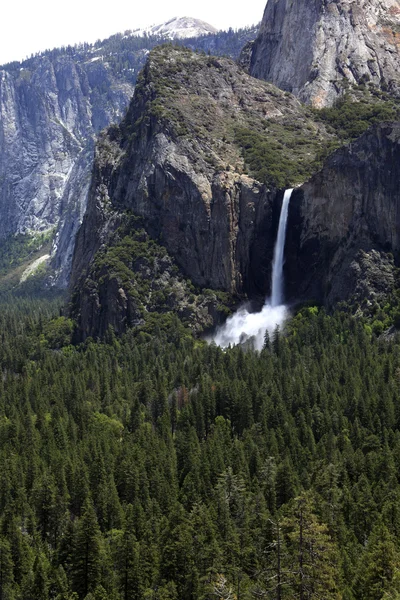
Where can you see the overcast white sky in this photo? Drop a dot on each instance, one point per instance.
(29, 26)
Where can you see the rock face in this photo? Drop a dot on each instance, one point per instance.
(134, 280)
(316, 48)
(175, 161)
(52, 107)
(49, 115)
(344, 225)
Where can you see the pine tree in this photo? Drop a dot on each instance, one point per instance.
(379, 570)
(286, 483)
(267, 341)
(177, 558)
(276, 573)
(40, 588)
(315, 571)
(7, 584)
(45, 499)
(129, 561)
(88, 552)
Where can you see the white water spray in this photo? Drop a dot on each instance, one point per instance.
(244, 326)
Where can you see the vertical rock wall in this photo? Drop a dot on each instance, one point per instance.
(316, 48)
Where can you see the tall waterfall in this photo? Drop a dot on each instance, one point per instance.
(277, 263)
(245, 326)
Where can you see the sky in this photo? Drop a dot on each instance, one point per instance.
(30, 26)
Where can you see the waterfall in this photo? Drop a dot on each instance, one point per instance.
(245, 326)
(277, 263)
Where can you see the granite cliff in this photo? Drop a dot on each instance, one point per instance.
(177, 161)
(344, 227)
(201, 159)
(316, 49)
(52, 106)
(50, 112)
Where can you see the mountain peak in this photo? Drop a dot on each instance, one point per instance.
(179, 28)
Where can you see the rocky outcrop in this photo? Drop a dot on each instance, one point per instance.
(344, 225)
(134, 281)
(176, 162)
(244, 60)
(72, 210)
(316, 48)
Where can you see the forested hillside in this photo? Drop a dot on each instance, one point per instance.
(126, 52)
(159, 467)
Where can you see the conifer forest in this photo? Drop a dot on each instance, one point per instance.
(157, 466)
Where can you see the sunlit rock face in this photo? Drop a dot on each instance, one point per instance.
(49, 116)
(317, 48)
(53, 105)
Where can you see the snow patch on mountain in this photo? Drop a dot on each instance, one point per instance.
(178, 28)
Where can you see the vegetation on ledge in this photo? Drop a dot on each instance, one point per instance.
(18, 249)
(223, 119)
(136, 280)
(351, 117)
(232, 121)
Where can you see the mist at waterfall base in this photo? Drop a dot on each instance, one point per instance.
(244, 326)
(247, 327)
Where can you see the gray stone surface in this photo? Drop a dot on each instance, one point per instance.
(174, 162)
(314, 48)
(175, 165)
(49, 116)
(347, 219)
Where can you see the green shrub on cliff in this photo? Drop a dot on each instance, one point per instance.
(281, 157)
(16, 249)
(284, 154)
(151, 287)
(349, 119)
